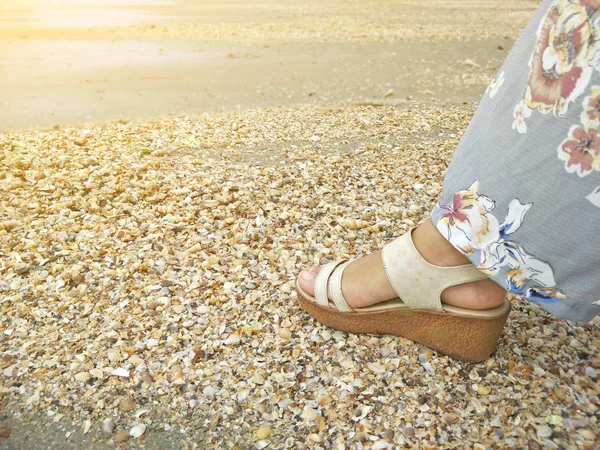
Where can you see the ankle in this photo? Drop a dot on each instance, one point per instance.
(434, 248)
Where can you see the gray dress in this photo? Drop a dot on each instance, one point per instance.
(521, 197)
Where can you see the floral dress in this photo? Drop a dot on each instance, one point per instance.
(521, 197)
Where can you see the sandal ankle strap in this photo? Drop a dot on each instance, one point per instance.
(418, 283)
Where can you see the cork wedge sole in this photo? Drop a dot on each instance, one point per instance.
(471, 336)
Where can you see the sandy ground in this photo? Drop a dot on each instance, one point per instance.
(167, 169)
(193, 57)
(62, 82)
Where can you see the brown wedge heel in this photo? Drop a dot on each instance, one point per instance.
(417, 314)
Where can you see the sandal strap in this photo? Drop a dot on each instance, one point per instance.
(335, 288)
(328, 286)
(418, 283)
(321, 282)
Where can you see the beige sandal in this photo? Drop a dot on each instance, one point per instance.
(417, 314)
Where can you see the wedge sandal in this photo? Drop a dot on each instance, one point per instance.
(417, 313)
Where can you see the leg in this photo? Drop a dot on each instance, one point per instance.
(365, 283)
(519, 199)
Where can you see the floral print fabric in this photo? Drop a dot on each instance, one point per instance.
(560, 68)
(521, 197)
(564, 55)
(470, 226)
(581, 150)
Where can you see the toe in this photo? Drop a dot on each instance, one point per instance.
(306, 279)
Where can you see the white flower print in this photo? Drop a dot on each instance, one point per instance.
(470, 226)
(521, 112)
(467, 223)
(497, 82)
(594, 197)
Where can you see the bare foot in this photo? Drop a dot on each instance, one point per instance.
(365, 283)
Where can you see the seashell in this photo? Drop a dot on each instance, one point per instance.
(208, 204)
(153, 164)
(82, 376)
(257, 378)
(589, 435)
(156, 199)
(544, 431)
(316, 438)
(127, 404)
(288, 369)
(140, 412)
(355, 224)
(261, 444)
(232, 339)
(325, 399)
(21, 268)
(450, 419)
(414, 209)
(34, 399)
(243, 395)
(381, 445)
(113, 355)
(309, 414)
(483, 390)
(476, 404)
(361, 412)
(136, 360)
(108, 426)
(165, 302)
(376, 367)
(226, 199)
(263, 432)
(8, 225)
(285, 333)
(194, 248)
(120, 372)
(137, 430)
(121, 436)
(164, 209)
(328, 242)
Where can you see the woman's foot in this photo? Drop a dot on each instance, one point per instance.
(365, 283)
